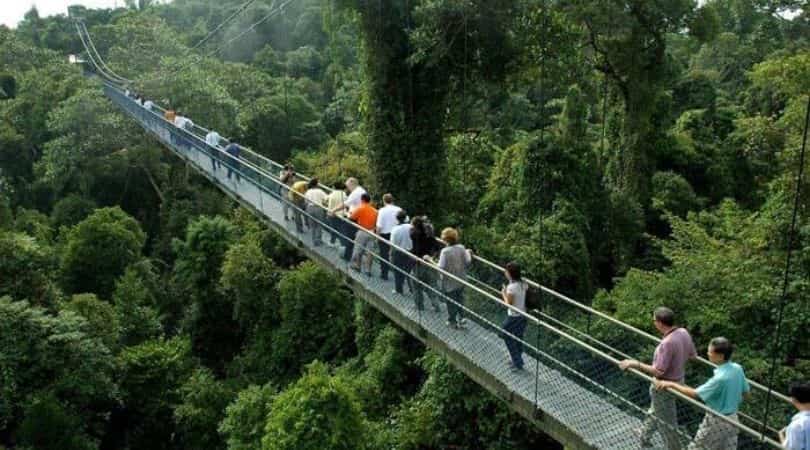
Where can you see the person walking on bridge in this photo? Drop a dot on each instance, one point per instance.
(366, 217)
(353, 201)
(287, 178)
(335, 219)
(386, 221)
(183, 122)
(454, 259)
(316, 199)
(425, 246)
(797, 435)
(401, 240)
(212, 139)
(669, 364)
(722, 393)
(514, 295)
(296, 196)
(233, 149)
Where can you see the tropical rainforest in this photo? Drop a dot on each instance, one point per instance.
(628, 153)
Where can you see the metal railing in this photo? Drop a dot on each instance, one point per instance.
(562, 361)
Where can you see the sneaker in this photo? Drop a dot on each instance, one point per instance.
(462, 322)
(516, 369)
(451, 324)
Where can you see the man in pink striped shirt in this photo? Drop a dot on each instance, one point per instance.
(669, 363)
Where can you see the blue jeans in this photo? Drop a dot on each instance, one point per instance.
(515, 325)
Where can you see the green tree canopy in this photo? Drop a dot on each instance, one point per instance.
(318, 412)
(98, 250)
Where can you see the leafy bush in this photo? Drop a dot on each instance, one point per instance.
(318, 412)
(99, 249)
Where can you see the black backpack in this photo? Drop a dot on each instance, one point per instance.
(534, 298)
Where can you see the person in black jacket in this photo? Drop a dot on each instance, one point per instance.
(425, 246)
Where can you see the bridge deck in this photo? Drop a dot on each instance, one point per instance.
(577, 410)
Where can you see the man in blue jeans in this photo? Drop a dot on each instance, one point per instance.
(233, 150)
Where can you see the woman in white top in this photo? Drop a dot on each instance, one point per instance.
(514, 295)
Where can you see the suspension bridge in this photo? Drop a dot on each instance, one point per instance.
(571, 387)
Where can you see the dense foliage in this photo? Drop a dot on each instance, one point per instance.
(629, 153)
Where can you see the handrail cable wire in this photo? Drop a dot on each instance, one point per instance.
(484, 261)
(791, 237)
(697, 404)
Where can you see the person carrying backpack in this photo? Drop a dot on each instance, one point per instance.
(424, 246)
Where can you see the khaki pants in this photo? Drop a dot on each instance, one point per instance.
(361, 256)
(663, 417)
(715, 434)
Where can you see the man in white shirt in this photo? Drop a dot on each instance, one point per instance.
(149, 104)
(315, 199)
(183, 122)
(401, 240)
(355, 194)
(386, 221)
(796, 436)
(352, 201)
(212, 139)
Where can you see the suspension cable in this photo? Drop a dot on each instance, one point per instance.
(97, 66)
(197, 59)
(786, 280)
(98, 55)
(233, 15)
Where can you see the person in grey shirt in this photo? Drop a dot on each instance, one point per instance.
(454, 259)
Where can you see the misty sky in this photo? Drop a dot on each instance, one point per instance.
(12, 11)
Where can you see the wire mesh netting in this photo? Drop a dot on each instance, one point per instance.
(569, 354)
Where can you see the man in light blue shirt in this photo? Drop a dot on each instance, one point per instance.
(401, 239)
(722, 393)
(797, 435)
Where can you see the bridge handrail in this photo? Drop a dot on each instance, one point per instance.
(235, 161)
(532, 283)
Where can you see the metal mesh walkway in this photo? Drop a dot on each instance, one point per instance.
(571, 386)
